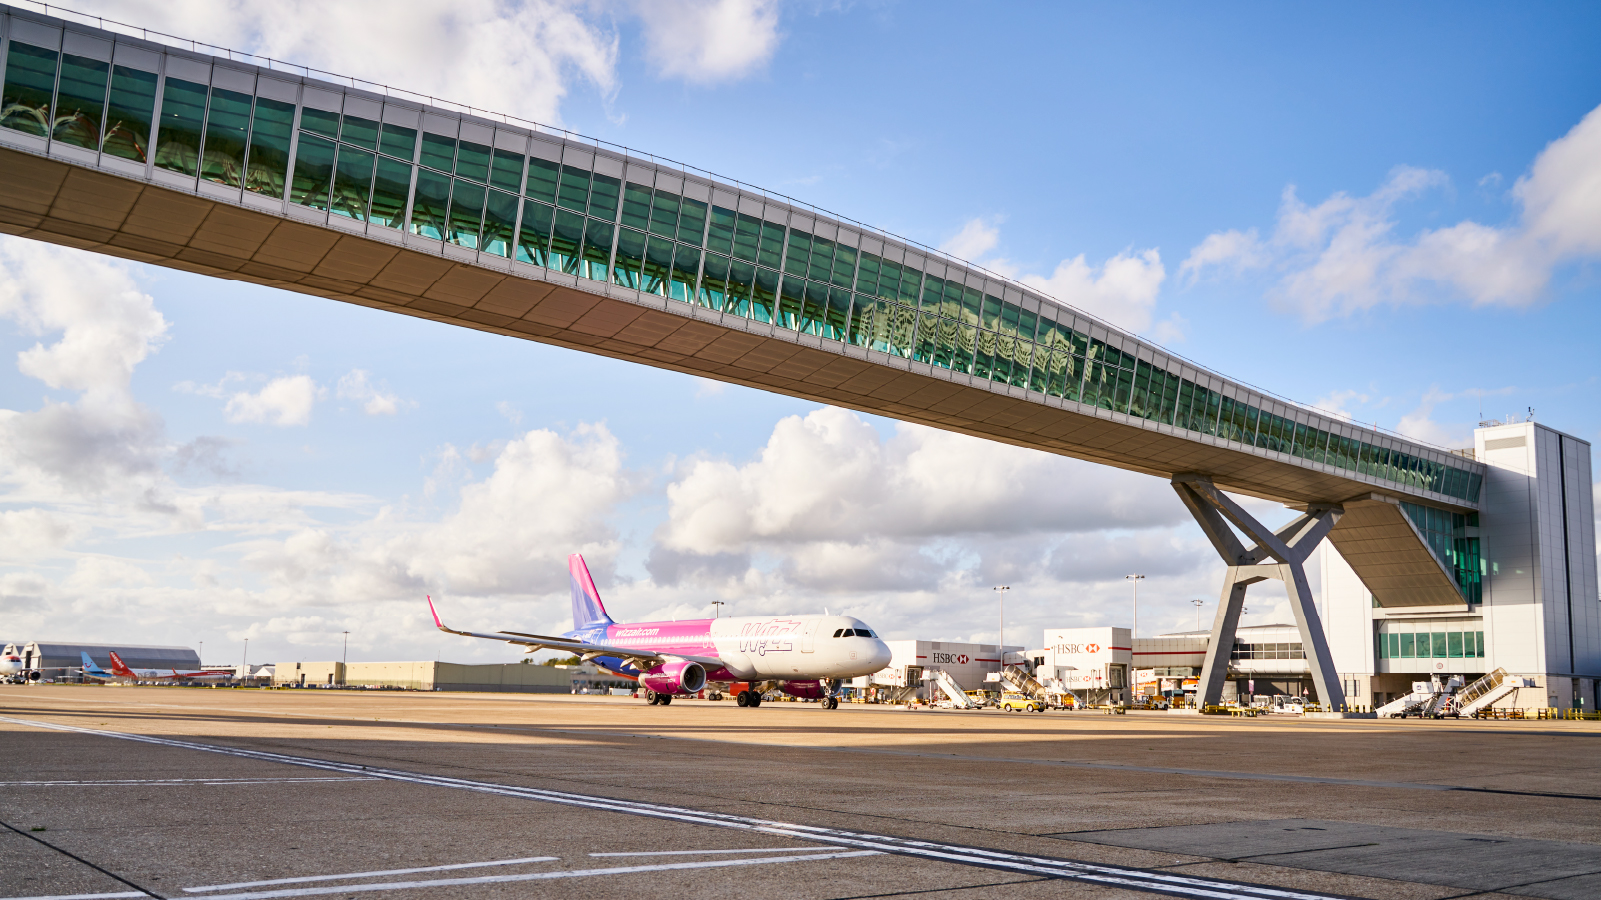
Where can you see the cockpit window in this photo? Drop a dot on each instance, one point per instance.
(839, 632)
(863, 632)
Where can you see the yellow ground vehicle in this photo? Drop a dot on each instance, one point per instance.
(1015, 702)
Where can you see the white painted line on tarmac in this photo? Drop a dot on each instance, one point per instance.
(705, 852)
(179, 782)
(532, 876)
(82, 896)
(306, 878)
(1153, 881)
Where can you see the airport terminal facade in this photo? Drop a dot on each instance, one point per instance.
(117, 141)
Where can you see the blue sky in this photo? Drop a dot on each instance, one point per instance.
(1391, 213)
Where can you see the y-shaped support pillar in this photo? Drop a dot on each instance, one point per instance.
(1278, 555)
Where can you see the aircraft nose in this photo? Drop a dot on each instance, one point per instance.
(881, 655)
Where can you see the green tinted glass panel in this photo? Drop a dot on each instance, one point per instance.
(911, 284)
(533, 236)
(438, 151)
(628, 269)
(567, 236)
(933, 294)
(500, 222)
(472, 161)
(867, 275)
(691, 221)
(686, 268)
(984, 354)
(429, 202)
(658, 265)
(822, 264)
(183, 109)
(664, 214)
(466, 213)
(791, 302)
(1027, 324)
(353, 183)
(740, 277)
(927, 328)
(972, 302)
(844, 266)
(1454, 644)
(398, 141)
(316, 121)
(772, 244)
(889, 280)
(81, 101)
(314, 170)
(128, 114)
(603, 197)
(269, 148)
(1438, 640)
(720, 234)
(356, 130)
(30, 84)
(990, 316)
(574, 193)
(800, 247)
(966, 347)
(713, 291)
(1478, 649)
(815, 310)
(1407, 649)
(1009, 316)
(838, 315)
(542, 178)
(506, 172)
(389, 189)
(636, 206)
(951, 306)
(764, 295)
(747, 235)
(597, 250)
(227, 130)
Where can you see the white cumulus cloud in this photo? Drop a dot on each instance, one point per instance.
(707, 41)
(1344, 255)
(357, 385)
(284, 401)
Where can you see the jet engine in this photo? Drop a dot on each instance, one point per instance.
(805, 690)
(681, 677)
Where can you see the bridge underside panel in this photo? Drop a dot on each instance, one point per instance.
(1385, 550)
(54, 201)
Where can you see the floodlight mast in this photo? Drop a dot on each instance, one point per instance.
(1000, 640)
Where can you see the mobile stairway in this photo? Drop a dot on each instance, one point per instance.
(1483, 693)
(1428, 699)
(953, 691)
(1018, 679)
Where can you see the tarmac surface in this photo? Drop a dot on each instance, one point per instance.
(228, 794)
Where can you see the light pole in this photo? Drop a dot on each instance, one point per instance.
(344, 658)
(244, 665)
(1198, 605)
(1000, 642)
(1136, 579)
(202, 654)
(717, 608)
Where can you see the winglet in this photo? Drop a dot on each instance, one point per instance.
(438, 624)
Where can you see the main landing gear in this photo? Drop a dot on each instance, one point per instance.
(655, 699)
(748, 698)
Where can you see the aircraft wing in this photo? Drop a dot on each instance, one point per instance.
(585, 649)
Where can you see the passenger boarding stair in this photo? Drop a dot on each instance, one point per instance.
(948, 686)
(1018, 679)
(1483, 693)
(1428, 698)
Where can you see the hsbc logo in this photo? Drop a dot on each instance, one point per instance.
(951, 659)
(1078, 648)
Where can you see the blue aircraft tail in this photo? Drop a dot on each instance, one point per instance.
(587, 609)
(89, 665)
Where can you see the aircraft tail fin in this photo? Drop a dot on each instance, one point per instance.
(90, 665)
(587, 608)
(120, 667)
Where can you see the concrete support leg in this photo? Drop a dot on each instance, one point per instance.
(1280, 556)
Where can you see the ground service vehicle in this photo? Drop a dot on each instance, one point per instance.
(1013, 702)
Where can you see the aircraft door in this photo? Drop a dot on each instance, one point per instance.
(808, 636)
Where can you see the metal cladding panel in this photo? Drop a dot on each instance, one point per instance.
(1387, 553)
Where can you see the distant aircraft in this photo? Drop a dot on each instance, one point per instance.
(13, 669)
(119, 669)
(803, 656)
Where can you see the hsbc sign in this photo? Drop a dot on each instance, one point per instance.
(950, 659)
(1074, 649)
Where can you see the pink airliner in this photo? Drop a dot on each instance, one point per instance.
(803, 656)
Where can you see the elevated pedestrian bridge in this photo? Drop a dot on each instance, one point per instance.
(129, 146)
